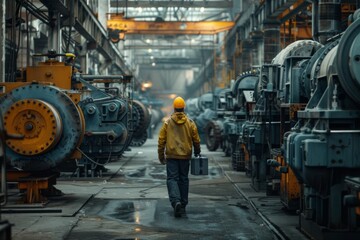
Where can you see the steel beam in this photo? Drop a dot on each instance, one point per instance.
(173, 3)
(171, 61)
(118, 22)
(173, 46)
(297, 7)
(90, 28)
(56, 6)
(277, 10)
(171, 28)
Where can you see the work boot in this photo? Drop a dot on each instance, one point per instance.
(177, 209)
(182, 210)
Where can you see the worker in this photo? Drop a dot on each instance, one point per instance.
(176, 138)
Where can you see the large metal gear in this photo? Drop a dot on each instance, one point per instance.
(141, 117)
(138, 141)
(47, 123)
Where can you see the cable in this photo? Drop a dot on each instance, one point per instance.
(93, 161)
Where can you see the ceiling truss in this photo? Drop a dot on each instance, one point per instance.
(172, 3)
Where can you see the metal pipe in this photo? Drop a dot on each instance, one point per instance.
(315, 20)
(2, 77)
(93, 77)
(98, 133)
(335, 131)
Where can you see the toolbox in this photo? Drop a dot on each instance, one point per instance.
(199, 165)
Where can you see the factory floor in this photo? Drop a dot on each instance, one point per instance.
(130, 201)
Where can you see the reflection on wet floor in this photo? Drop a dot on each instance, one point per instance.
(137, 211)
(132, 203)
(159, 172)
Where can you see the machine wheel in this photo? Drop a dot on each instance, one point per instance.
(348, 70)
(48, 123)
(141, 117)
(138, 141)
(212, 136)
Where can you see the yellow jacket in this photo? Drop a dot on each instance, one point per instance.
(176, 138)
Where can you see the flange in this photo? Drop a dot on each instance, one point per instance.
(69, 124)
(37, 122)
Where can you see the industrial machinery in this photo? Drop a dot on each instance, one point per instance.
(275, 93)
(322, 148)
(201, 111)
(227, 114)
(214, 129)
(141, 119)
(293, 92)
(45, 112)
(109, 126)
(5, 226)
(242, 102)
(156, 118)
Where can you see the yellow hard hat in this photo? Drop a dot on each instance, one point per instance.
(179, 102)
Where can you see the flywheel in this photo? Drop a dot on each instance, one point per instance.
(46, 124)
(37, 123)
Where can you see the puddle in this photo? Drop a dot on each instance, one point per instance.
(159, 173)
(148, 172)
(137, 211)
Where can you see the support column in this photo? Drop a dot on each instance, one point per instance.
(246, 56)
(329, 19)
(55, 32)
(2, 40)
(271, 41)
(257, 39)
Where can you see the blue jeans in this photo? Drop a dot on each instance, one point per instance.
(178, 181)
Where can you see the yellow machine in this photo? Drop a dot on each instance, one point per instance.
(45, 124)
(289, 185)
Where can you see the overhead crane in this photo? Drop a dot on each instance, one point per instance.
(118, 26)
(173, 3)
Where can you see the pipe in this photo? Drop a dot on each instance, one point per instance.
(315, 22)
(335, 131)
(93, 77)
(111, 135)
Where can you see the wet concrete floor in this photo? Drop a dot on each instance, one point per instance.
(130, 202)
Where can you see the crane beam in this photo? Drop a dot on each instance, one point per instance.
(117, 24)
(173, 3)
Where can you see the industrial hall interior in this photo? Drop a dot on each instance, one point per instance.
(179, 119)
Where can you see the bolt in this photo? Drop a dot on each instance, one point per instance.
(29, 126)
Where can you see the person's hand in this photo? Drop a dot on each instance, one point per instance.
(162, 161)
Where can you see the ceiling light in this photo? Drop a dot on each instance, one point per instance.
(151, 57)
(146, 85)
(153, 64)
(149, 50)
(202, 9)
(139, 9)
(148, 40)
(172, 96)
